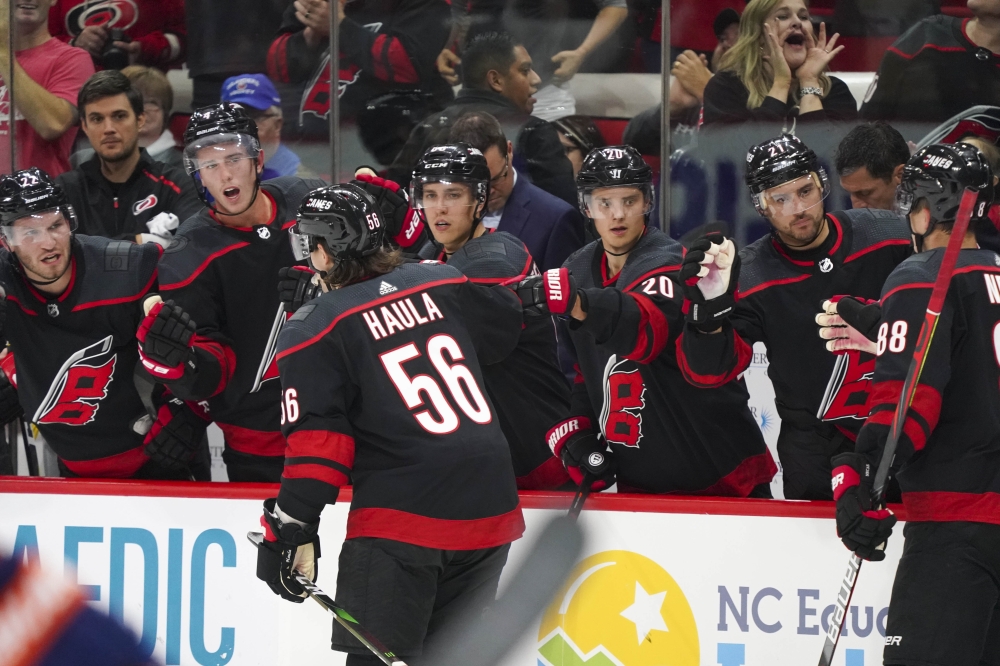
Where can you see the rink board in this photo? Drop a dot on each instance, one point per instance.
(661, 580)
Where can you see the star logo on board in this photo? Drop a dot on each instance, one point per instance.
(386, 288)
(646, 612)
(263, 232)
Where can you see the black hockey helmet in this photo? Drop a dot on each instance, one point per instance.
(940, 174)
(344, 218)
(223, 123)
(778, 161)
(386, 121)
(28, 192)
(614, 166)
(452, 163)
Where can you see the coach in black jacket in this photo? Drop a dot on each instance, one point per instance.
(121, 192)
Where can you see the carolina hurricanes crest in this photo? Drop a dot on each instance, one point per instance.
(78, 388)
(109, 13)
(268, 368)
(144, 204)
(316, 98)
(624, 392)
(846, 395)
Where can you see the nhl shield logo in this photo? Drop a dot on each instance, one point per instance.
(53, 309)
(826, 265)
(264, 232)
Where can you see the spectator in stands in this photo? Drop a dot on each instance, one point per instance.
(46, 76)
(498, 78)
(778, 69)
(549, 227)
(257, 95)
(578, 135)
(939, 68)
(381, 50)
(157, 103)
(870, 161)
(154, 30)
(121, 192)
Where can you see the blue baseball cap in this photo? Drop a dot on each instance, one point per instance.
(253, 90)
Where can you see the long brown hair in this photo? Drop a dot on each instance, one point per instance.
(746, 58)
(348, 271)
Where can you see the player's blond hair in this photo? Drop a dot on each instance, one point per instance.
(746, 58)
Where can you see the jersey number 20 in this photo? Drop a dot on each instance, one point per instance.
(417, 391)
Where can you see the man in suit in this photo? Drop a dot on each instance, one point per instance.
(549, 227)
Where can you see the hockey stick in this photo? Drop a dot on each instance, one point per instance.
(30, 452)
(341, 616)
(588, 479)
(934, 307)
(581, 496)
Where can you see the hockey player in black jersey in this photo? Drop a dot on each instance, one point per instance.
(383, 388)
(625, 316)
(809, 257)
(72, 307)
(944, 607)
(214, 338)
(450, 186)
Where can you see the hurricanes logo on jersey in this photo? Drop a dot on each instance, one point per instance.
(78, 388)
(846, 395)
(108, 13)
(268, 368)
(624, 392)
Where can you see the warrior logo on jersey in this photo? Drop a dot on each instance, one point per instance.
(108, 13)
(847, 391)
(79, 386)
(268, 368)
(624, 392)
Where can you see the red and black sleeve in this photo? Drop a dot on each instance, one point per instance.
(289, 58)
(709, 360)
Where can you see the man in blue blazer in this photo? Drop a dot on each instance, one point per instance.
(549, 227)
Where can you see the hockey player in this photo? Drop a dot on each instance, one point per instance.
(451, 186)
(214, 338)
(383, 387)
(72, 307)
(809, 257)
(625, 316)
(943, 608)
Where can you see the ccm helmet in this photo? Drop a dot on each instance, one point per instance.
(29, 192)
(940, 174)
(216, 125)
(344, 218)
(614, 166)
(778, 161)
(453, 163)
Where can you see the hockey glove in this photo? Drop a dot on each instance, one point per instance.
(552, 292)
(581, 452)
(288, 546)
(165, 342)
(10, 406)
(177, 434)
(403, 223)
(863, 528)
(710, 274)
(296, 286)
(847, 323)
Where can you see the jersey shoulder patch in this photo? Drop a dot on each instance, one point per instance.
(580, 261)
(115, 269)
(760, 264)
(870, 227)
(493, 257)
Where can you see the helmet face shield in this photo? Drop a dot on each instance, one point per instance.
(621, 202)
(40, 228)
(794, 197)
(217, 151)
(440, 192)
(302, 244)
(905, 199)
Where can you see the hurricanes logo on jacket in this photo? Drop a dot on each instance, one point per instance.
(623, 403)
(109, 13)
(144, 204)
(78, 388)
(268, 368)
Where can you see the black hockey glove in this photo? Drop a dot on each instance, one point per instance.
(403, 223)
(287, 547)
(177, 434)
(165, 342)
(581, 452)
(552, 292)
(863, 528)
(10, 406)
(295, 287)
(710, 275)
(848, 323)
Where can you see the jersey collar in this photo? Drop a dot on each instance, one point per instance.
(819, 259)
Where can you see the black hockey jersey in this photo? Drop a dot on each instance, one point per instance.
(780, 293)
(948, 456)
(527, 387)
(667, 437)
(75, 354)
(226, 279)
(932, 73)
(382, 386)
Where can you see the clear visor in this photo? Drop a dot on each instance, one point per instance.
(219, 151)
(302, 244)
(904, 200)
(610, 203)
(794, 197)
(40, 229)
(428, 193)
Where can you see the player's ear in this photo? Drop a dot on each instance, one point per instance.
(260, 161)
(897, 175)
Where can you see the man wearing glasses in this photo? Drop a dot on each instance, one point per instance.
(258, 96)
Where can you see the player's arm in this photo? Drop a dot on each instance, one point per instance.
(492, 315)
(291, 58)
(880, 103)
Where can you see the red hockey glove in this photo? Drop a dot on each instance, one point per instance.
(709, 275)
(295, 287)
(404, 223)
(862, 528)
(177, 434)
(165, 342)
(552, 292)
(581, 452)
(288, 546)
